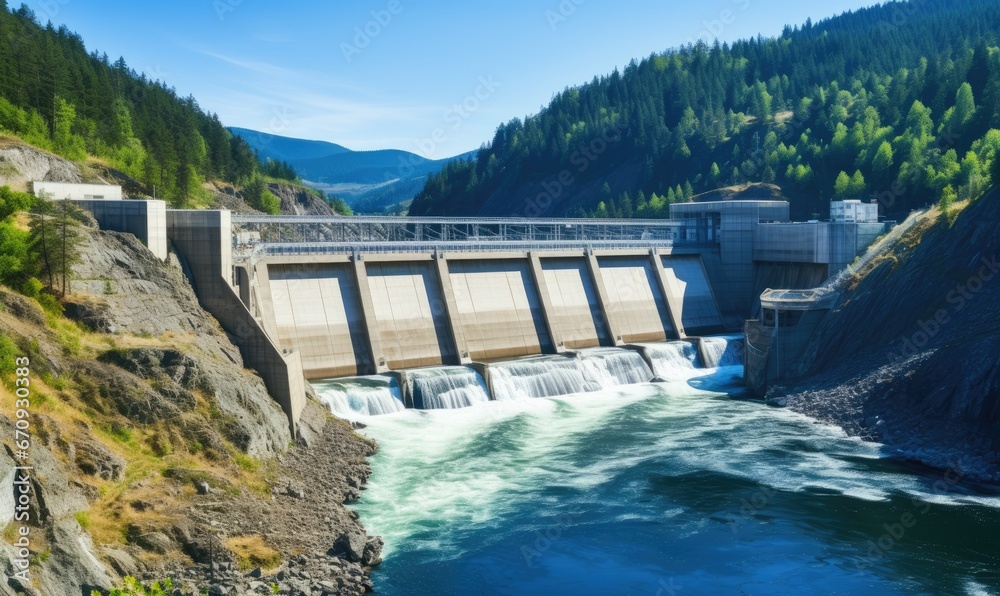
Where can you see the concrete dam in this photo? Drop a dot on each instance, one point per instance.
(366, 314)
(384, 313)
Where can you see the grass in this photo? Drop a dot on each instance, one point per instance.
(252, 552)
(75, 412)
(82, 518)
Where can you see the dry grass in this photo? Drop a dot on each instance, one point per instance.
(252, 552)
(149, 450)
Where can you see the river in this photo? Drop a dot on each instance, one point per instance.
(669, 488)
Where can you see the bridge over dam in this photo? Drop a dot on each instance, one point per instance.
(448, 311)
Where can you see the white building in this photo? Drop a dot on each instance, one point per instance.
(853, 211)
(57, 191)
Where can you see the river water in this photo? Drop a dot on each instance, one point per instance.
(671, 488)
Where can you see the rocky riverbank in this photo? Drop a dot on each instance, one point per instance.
(158, 455)
(910, 356)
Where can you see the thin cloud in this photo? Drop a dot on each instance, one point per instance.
(258, 67)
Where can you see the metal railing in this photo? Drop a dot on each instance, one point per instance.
(291, 228)
(339, 248)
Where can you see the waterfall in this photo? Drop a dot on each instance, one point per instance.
(723, 350)
(611, 367)
(551, 376)
(542, 376)
(673, 360)
(364, 396)
(447, 387)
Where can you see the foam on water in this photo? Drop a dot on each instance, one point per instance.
(352, 397)
(588, 370)
(674, 360)
(541, 376)
(447, 388)
(723, 350)
(450, 484)
(613, 367)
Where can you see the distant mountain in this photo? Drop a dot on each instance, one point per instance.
(284, 148)
(370, 181)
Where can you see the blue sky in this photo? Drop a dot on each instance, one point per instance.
(432, 78)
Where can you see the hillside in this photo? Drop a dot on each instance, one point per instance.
(899, 101)
(369, 181)
(925, 380)
(155, 449)
(82, 106)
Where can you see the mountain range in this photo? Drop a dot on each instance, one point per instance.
(369, 181)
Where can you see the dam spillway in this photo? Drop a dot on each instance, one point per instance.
(359, 314)
(533, 377)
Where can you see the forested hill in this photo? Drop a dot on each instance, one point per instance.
(896, 101)
(57, 96)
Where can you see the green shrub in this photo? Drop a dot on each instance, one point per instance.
(9, 352)
(133, 587)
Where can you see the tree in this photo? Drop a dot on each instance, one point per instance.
(714, 173)
(761, 102)
(883, 159)
(44, 242)
(55, 241)
(842, 187)
(258, 196)
(857, 187)
(66, 143)
(946, 201)
(12, 201)
(965, 105)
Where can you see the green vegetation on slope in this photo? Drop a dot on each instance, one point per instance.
(56, 96)
(898, 101)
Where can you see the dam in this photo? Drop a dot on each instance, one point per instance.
(387, 313)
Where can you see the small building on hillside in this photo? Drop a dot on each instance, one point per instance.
(57, 191)
(853, 211)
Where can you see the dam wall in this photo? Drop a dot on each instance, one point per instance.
(203, 243)
(364, 314)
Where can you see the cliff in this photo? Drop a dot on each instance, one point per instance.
(909, 356)
(156, 452)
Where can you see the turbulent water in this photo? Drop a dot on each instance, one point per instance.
(661, 489)
(623, 486)
(447, 387)
(726, 350)
(551, 376)
(366, 396)
(674, 359)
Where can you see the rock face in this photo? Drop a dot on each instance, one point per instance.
(126, 288)
(21, 164)
(296, 201)
(910, 355)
